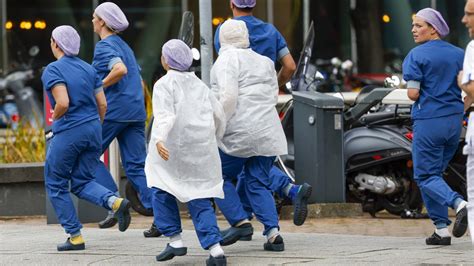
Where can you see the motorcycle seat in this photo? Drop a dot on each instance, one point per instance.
(371, 118)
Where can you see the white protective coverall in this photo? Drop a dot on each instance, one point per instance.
(253, 127)
(468, 76)
(187, 119)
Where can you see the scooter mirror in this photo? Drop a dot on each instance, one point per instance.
(346, 65)
(396, 81)
(336, 61)
(196, 54)
(319, 76)
(34, 51)
(391, 82)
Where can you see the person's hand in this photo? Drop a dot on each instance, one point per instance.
(460, 74)
(162, 150)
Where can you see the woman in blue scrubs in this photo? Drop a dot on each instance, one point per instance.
(430, 70)
(75, 92)
(125, 118)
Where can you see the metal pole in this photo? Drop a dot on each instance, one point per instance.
(433, 4)
(354, 57)
(4, 37)
(270, 11)
(184, 6)
(305, 17)
(205, 28)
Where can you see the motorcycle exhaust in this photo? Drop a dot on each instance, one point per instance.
(377, 184)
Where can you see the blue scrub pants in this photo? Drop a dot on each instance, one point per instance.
(279, 181)
(256, 186)
(131, 139)
(435, 141)
(71, 160)
(168, 221)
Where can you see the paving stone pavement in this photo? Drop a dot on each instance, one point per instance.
(31, 241)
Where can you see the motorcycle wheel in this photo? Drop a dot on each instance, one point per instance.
(408, 198)
(412, 201)
(280, 202)
(134, 199)
(455, 174)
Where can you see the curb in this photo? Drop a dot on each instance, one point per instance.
(326, 210)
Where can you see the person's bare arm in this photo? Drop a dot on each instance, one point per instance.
(288, 67)
(101, 104)
(413, 94)
(62, 101)
(116, 74)
(468, 100)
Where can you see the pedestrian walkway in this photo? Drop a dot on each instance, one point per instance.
(31, 241)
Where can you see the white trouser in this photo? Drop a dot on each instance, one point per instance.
(469, 151)
(470, 193)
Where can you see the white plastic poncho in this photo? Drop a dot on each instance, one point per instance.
(245, 83)
(187, 119)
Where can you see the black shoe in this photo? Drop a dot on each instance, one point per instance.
(170, 252)
(460, 224)
(152, 232)
(70, 246)
(242, 238)
(108, 222)
(123, 215)
(300, 204)
(277, 244)
(216, 261)
(435, 239)
(233, 234)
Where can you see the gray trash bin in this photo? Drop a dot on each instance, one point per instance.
(318, 137)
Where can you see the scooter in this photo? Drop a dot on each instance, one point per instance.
(377, 158)
(26, 99)
(23, 98)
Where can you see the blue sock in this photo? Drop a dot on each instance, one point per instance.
(293, 191)
(78, 233)
(441, 225)
(457, 202)
(111, 201)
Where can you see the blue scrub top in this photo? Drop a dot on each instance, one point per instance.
(435, 64)
(125, 100)
(81, 80)
(265, 39)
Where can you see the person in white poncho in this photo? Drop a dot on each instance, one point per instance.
(246, 85)
(465, 82)
(183, 160)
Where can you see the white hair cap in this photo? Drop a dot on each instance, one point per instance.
(234, 32)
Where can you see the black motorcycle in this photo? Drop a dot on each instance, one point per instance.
(377, 146)
(377, 156)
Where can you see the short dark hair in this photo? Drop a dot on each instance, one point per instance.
(245, 9)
